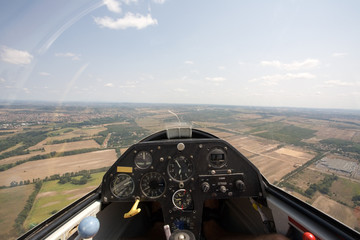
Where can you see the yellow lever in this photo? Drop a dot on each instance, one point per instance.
(134, 210)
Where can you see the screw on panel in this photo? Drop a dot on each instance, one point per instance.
(191, 156)
(200, 146)
(105, 199)
(158, 147)
(161, 159)
(213, 172)
(135, 151)
(229, 171)
(180, 146)
(225, 148)
(152, 167)
(151, 151)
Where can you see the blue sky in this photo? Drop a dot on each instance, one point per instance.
(259, 53)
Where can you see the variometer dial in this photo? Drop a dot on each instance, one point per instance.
(143, 160)
(182, 199)
(180, 168)
(122, 186)
(153, 185)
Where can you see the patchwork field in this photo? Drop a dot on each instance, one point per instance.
(54, 197)
(60, 165)
(272, 161)
(13, 199)
(69, 146)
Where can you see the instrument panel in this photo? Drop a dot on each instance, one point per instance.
(181, 174)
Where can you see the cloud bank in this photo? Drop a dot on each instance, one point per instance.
(15, 56)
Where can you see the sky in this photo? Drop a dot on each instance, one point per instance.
(284, 53)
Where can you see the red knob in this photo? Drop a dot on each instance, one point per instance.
(308, 236)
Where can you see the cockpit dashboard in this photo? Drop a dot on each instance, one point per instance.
(180, 174)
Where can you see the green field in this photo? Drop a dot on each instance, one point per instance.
(14, 199)
(288, 134)
(343, 190)
(54, 197)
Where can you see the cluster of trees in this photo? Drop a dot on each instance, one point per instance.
(74, 139)
(72, 177)
(122, 135)
(323, 186)
(95, 121)
(19, 221)
(343, 145)
(288, 134)
(27, 139)
(356, 200)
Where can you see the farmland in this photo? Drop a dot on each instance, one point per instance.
(42, 144)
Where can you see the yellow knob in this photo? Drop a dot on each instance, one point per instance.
(134, 210)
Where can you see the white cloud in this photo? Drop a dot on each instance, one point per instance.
(109, 85)
(339, 54)
(221, 67)
(269, 80)
(73, 56)
(180, 90)
(306, 64)
(215, 79)
(128, 2)
(2, 80)
(189, 62)
(113, 5)
(44, 74)
(159, 1)
(26, 90)
(129, 20)
(338, 83)
(15, 56)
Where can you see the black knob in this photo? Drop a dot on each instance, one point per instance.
(240, 185)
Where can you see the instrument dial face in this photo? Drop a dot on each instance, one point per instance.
(217, 158)
(143, 160)
(122, 186)
(182, 223)
(153, 185)
(182, 199)
(180, 168)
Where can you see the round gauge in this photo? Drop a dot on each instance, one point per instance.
(182, 223)
(122, 186)
(180, 168)
(152, 185)
(217, 158)
(182, 199)
(143, 159)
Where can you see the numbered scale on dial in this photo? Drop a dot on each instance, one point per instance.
(153, 185)
(180, 168)
(122, 186)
